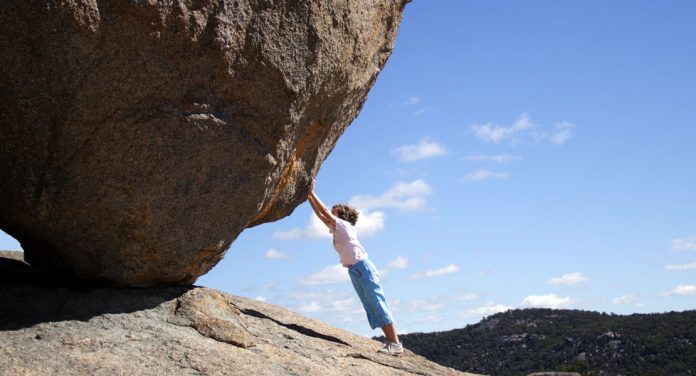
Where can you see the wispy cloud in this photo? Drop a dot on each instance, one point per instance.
(434, 303)
(523, 127)
(491, 132)
(411, 101)
(327, 304)
(424, 149)
(680, 290)
(421, 111)
(329, 275)
(562, 132)
(449, 269)
(625, 299)
(488, 309)
(684, 244)
(468, 296)
(690, 266)
(431, 319)
(313, 306)
(546, 301)
(275, 255)
(369, 224)
(405, 196)
(399, 262)
(500, 158)
(568, 279)
(261, 287)
(482, 175)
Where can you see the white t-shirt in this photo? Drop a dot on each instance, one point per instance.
(345, 240)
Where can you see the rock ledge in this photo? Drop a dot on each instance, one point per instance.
(172, 330)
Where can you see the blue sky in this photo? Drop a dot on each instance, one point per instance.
(511, 154)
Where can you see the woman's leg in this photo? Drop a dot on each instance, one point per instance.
(372, 317)
(374, 300)
(390, 333)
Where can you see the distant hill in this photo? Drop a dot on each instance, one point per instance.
(519, 342)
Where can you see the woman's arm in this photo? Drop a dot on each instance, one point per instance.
(320, 209)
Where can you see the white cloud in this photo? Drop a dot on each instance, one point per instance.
(295, 233)
(330, 305)
(345, 310)
(684, 244)
(275, 255)
(681, 266)
(315, 229)
(429, 320)
(411, 101)
(313, 306)
(500, 158)
(405, 196)
(329, 275)
(546, 301)
(568, 279)
(680, 290)
(319, 295)
(369, 224)
(424, 149)
(625, 299)
(399, 262)
(421, 111)
(562, 133)
(449, 269)
(488, 309)
(262, 287)
(341, 305)
(482, 175)
(467, 297)
(491, 132)
(523, 126)
(261, 299)
(434, 303)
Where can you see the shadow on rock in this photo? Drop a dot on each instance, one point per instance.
(31, 297)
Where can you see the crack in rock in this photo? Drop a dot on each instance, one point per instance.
(298, 328)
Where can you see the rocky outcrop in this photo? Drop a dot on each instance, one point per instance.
(50, 328)
(139, 138)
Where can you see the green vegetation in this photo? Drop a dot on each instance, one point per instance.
(519, 342)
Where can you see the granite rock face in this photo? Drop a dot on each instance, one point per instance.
(140, 137)
(173, 330)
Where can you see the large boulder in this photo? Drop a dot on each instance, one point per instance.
(140, 137)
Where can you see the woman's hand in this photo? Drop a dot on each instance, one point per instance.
(319, 208)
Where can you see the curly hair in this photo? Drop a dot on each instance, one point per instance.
(346, 213)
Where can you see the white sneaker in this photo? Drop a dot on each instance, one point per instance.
(392, 348)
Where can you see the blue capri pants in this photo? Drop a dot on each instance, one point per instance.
(365, 280)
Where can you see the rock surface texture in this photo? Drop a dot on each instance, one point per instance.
(48, 329)
(140, 137)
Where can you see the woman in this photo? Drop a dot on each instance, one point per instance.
(363, 273)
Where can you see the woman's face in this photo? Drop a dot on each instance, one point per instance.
(334, 211)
